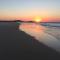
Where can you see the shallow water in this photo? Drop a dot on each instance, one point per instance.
(41, 33)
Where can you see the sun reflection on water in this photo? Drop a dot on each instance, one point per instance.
(32, 26)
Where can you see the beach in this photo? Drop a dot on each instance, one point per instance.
(16, 42)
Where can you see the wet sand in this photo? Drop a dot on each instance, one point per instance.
(16, 44)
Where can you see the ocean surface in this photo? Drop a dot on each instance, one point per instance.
(51, 24)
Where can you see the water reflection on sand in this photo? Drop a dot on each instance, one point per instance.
(38, 32)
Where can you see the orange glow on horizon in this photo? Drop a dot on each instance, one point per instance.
(36, 19)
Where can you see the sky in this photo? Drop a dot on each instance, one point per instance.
(47, 10)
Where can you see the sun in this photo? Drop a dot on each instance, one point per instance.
(37, 19)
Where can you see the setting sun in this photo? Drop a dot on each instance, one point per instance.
(37, 19)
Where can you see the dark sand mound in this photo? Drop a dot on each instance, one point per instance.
(16, 44)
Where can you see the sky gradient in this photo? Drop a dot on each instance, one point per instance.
(48, 10)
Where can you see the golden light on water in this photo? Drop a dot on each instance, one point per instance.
(37, 19)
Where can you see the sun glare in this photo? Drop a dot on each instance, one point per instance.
(37, 19)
